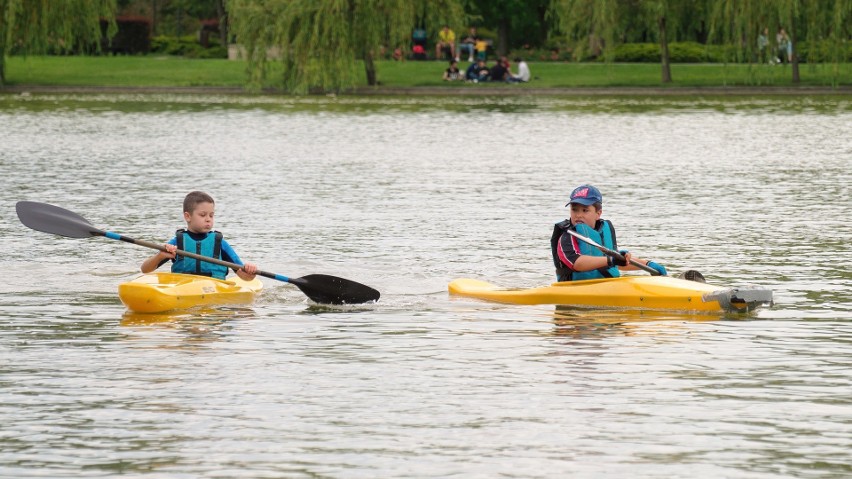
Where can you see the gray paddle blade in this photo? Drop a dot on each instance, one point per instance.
(54, 220)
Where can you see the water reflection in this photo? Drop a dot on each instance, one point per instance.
(194, 325)
(106, 104)
(586, 322)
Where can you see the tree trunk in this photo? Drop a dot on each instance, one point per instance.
(502, 36)
(2, 57)
(223, 22)
(664, 51)
(370, 69)
(794, 58)
(154, 17)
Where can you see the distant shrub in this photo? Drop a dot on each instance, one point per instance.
(689, 52)
(188, 46)
(208, 53)
(679, 52)
(637, 53)
(822, 51)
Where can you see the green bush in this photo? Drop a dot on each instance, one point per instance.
(187, 46)
(637, 53)
(679, 52)
(208, 53)
(821, 51)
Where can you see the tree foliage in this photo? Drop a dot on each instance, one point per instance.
(517, 22)
(38, 26)
(320, 41)
(593, 24)
(826, 22)
(598, 26)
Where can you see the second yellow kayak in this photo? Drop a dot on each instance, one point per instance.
(158, 292)
(645, 292)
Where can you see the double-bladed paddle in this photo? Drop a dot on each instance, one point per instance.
(613, 253)
(319, 287)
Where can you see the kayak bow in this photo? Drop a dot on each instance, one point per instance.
(158, 292)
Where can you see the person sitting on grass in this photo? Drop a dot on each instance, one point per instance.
(574, 258)
(499, 72)
(452, 73)
(477, 72)
(523, 75)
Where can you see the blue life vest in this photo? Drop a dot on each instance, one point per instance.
(210, 246)
(603, 235)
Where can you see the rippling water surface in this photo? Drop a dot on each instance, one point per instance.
(405, 195)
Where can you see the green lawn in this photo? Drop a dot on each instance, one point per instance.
(163, 71)
(157, 71)
(566, 75)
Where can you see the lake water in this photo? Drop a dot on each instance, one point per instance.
(405, 194)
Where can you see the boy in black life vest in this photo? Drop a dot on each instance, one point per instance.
(199, 238)
(574, 258)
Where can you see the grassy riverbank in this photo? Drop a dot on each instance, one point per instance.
(153, 71)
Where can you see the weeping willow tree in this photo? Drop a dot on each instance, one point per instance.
(40, 26)
(599, 21)
(319, 42)
(829, 29)
(739, 22)
(591, 23)
(664, 15)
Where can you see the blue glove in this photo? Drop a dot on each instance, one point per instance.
(660, 268)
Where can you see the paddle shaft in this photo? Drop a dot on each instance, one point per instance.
(613, 253)
(148, 244)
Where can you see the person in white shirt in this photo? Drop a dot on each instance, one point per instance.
(523, 72)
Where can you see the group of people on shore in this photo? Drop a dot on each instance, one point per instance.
(478, 71)
(783, 47)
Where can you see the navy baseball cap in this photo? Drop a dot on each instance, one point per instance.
(585, 195)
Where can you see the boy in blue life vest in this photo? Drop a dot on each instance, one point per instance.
(574, 258)
(199, 238)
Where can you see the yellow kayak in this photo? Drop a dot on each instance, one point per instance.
(158, 292)
(644, 292)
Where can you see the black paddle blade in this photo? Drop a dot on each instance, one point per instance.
(54, 220)
(326, 289)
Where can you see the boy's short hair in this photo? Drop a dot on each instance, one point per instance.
(194, 198)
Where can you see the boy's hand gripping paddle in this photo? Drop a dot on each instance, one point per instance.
(613, 253)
